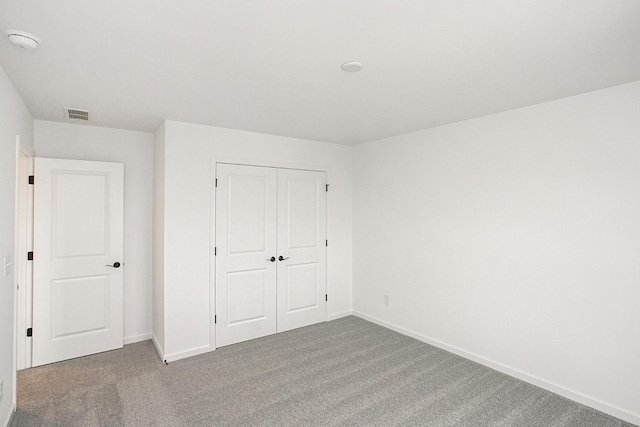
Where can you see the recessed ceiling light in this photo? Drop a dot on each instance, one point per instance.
(352, 67)
(22, 39)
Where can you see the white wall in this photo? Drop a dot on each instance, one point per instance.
(158, 238)
(135, 150)
(14, 120)
(188, 159)
(513, 239)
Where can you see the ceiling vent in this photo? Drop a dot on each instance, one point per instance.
(74, 113)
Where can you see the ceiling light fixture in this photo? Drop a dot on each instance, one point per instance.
(352, 67)
(22, 39)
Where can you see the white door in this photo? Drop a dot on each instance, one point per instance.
(302, 252)
(78, 249)
(245, 253)
(270, 251)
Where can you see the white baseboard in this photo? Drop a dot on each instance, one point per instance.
(9, 416)
(339, 315)
(137, 338)
(576, 396)
(172, 357)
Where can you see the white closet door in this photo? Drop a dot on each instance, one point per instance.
(245, 243)
(78, 248)
(302, 225)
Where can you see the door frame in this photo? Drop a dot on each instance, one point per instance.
(212, 223)
(23, 272)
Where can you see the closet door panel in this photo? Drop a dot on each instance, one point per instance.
(245, 242)
(302, 205)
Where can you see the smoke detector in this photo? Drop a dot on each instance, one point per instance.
(22, 39)
(75, 113)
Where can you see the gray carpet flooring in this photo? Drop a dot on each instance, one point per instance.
(348, 372)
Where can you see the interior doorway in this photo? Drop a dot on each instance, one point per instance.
(68, 257)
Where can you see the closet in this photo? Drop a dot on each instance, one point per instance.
(270, 250)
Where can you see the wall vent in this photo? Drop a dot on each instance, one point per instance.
(74, 113)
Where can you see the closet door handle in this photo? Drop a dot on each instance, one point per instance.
(272, 259)
(280, 258)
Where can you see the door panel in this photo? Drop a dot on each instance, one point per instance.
(72, 318)
(246, 296)
(80, 214)
(245, 240)
(78, 232)
(248, 205)
(302, 287)
(302, 280)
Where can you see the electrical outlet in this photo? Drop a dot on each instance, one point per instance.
(386, 299)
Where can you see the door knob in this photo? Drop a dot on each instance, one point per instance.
(272, 259)
(281, 258)
(115, 265)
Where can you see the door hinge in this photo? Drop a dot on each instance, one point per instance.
(326, 243)
(30, 256)
(215, 250)
(216, 182)
(29, 332)
(326, 187)
(326, 297)
(215, 318)
(31, 179)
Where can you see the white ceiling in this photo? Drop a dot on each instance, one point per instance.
(273, 66)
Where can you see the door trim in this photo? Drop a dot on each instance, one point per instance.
(23, 273)
(212, 226)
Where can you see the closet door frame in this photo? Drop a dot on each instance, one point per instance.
(212, 223)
